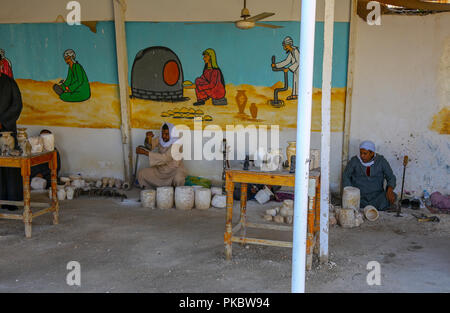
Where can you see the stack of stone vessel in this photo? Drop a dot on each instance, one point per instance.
(148, 198)
(349, 216)
(185, 198)
(283, 214)
(219, 200)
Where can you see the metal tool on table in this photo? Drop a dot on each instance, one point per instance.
(246, 163)
(139, 151)
(423, 218)
(399, 204)
(225, 164)
(292, 169)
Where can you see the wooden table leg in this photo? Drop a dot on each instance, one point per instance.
(243, 211)
(54, 176)
(309, 234)
(27, 215)
(229, 185)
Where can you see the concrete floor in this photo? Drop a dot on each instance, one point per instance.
(123, 247)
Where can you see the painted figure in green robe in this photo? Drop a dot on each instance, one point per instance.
(367, 172)
(76, 86)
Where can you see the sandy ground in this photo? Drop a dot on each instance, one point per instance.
(43, 107)
(123, 247)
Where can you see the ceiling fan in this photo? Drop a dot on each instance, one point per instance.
(248, 21)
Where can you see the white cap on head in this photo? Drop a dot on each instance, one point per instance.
(70, 53)
(288, 41)
(367, 145)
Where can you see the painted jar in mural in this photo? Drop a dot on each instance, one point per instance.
(290, 151)
(253, 110)
(241, 100)
(22, 137)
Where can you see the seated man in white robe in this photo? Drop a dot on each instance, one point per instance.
(164, 170)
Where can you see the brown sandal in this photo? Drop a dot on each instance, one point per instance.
(292, 98)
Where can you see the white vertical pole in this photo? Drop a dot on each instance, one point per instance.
(326, 129)
(307, 32)
(122, 70)
(350, 78)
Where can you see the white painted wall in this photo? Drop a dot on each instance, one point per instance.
(91, 152)
(97, 153)
(402, 78)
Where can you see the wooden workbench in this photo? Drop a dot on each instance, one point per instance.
(25, 164)
(283, 178)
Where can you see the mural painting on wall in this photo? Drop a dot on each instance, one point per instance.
(157, 75)
(209, 86)
(174, 79)
(6, 67)
(75, 88)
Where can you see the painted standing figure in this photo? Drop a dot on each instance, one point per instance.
(76, 86)
(291, 63)
(211, 84)
(6, 67)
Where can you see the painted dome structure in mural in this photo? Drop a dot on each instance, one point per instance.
(157, 74)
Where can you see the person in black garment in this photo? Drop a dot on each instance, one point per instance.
(11, 184)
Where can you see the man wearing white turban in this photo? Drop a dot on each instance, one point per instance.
(367, 172)
(291, 63)
(164, 170)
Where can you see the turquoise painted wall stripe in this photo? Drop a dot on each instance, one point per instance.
(36, 50)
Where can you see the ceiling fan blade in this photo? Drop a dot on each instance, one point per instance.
(259, 16)
(268, 25)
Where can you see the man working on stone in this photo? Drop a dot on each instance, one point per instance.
(11, 185)
(43, 170)
(367, 172)
(163, 170)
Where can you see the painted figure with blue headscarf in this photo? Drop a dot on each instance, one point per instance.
(367, 172)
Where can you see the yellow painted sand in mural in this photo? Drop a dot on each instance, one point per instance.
(150, 114)
(441, 122)
(43, 107)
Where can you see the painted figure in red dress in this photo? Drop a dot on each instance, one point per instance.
(211, 84)
(6, 67)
